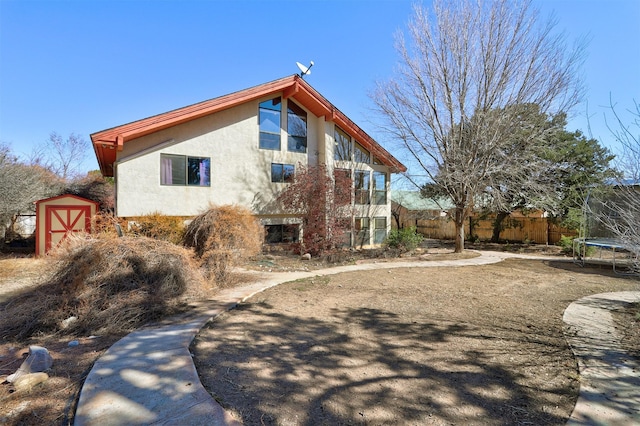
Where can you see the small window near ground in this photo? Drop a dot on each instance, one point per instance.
(184, 170)
(344, 240)
(269, 118)
(362, 231)
(296, 128)
(380, 230)
(282, 173)
(282, 234)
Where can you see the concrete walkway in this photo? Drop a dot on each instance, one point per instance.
(609, 377)
(148, 377)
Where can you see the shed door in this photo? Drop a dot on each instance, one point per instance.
(61, 220)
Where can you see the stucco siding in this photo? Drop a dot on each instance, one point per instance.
(240, 171)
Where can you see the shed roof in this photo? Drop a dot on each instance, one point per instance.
(107, 142)
(66, 196)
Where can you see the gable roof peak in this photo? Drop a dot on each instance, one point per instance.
(107, 143)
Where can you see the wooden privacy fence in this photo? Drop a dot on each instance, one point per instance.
(518, 229)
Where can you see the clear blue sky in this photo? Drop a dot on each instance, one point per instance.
(84, 66)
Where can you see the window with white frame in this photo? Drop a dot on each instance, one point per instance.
(362, 231)
(342, 147)
(269, 119)
(342, 186)
(361, 180)
(361, 155)
(379, 230)
(379, 188)
(185, 170)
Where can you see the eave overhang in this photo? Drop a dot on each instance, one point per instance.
(107, 143)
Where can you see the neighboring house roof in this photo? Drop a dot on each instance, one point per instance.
(107, 142)
(629, 182)
(412, 200)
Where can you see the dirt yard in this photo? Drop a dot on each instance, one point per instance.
(443, 346)
(472, 345)
(52, 402)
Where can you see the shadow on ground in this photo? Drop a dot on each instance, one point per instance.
(372, 366)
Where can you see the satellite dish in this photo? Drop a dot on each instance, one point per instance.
(304, 70)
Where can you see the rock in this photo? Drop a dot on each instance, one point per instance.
(66, 323)
(28, 381)
(73, 343)
(38, 360)
(306, 256)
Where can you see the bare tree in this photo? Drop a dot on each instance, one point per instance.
(620, 212)
(464, 61)
(21, 185)
(61, 156)
(624, 134)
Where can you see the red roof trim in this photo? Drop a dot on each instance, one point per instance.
(107, 142)
(58, 197)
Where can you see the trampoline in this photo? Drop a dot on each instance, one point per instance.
(609, 251)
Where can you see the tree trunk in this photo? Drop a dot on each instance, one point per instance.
(497, 226)
(459, 222)
(396, 216)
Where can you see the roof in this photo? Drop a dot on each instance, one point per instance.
(107, 142)
(412, 200)
(629, 182)
(64, 196)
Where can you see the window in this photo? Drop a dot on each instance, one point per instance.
(269, 117)
(342, 148)
(297, 128)
(361, 185)
(282, 172)
(361, 155)
(380, 230)
(342, 186)
(183, 170)
(282, 234)
(379, 188)
(362, 231)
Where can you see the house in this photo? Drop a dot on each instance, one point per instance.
(410, 207)
(242, 149)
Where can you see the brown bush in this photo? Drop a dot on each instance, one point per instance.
(110, 285)
(221, 237)
(158, 226)
(104, 225)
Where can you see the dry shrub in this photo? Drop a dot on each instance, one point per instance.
(105, 225)
(221, 237)
(158, 226)
(111, 286)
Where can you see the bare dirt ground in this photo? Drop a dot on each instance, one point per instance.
(471, 345)
(52, 402)
(399, 336)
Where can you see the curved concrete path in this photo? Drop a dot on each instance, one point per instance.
(609, 377)
(148, 377)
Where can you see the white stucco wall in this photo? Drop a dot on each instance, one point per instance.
(240, 171)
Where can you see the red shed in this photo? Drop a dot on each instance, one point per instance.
(56, 217)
